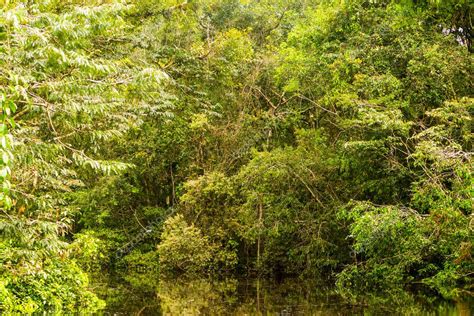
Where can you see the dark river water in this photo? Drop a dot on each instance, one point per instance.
(145, 294)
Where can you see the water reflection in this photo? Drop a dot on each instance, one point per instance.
(145, 294)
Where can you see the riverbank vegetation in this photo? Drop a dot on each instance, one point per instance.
(225, 137)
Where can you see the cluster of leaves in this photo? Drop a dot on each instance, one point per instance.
(183, 248)
(74, 91)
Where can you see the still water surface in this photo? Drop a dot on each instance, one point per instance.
(144, 294)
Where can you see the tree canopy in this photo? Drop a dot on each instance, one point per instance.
(266, 137)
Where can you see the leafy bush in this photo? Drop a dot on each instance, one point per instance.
(142, 261)
(87, 250)
(183, 248)
(58, 286)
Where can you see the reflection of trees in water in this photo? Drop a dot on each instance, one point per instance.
(199, 296)
(146, 294)
(127, 293)
(192, 297)
(291, 297)
(402, 301)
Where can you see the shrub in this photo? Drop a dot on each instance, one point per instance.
(183, 247)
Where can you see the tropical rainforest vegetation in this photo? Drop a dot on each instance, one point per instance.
(272, 137)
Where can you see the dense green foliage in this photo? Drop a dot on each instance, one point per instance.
(261, 137)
